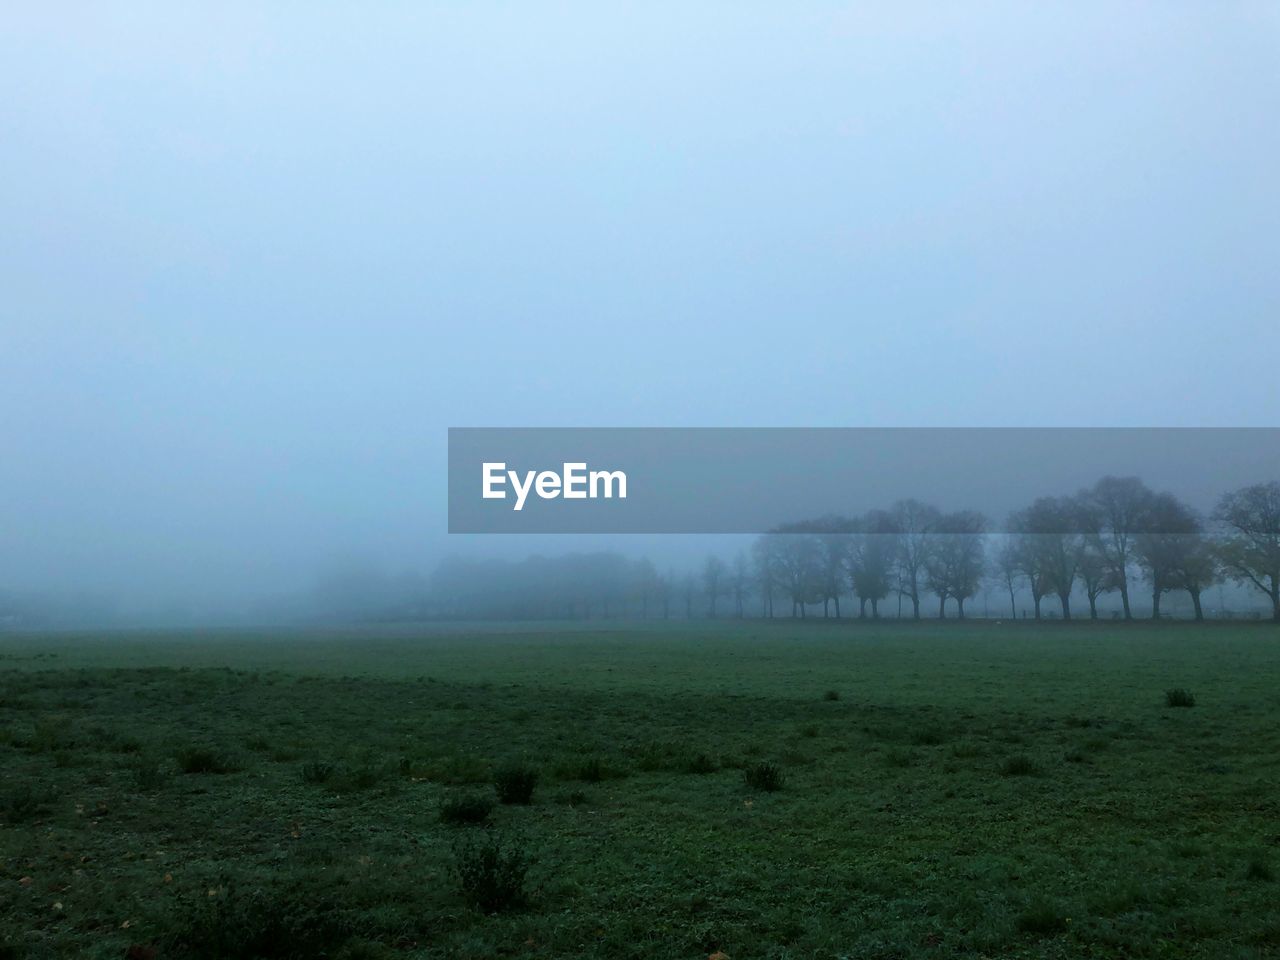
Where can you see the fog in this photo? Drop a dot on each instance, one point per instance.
(257, 261)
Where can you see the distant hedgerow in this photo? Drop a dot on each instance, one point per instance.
(763, 775)
(1179, 697)
(514, 783)
(490, 872)
(468, 809)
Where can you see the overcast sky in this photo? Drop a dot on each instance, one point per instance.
(256, 258)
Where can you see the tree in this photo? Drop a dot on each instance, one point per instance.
(665, 585)
(688, 590)
(713, 581)
(798, 560)
(955, 560)
(834, 535)
(871, 557)
(1250, 552)
(646, 584)
(914, 521)
(1008, 567)
(1161, 545)
(1050, 546)
(1115, 509)
(739, 583)
(1095, 574)
(765, 569)
(1197, 569)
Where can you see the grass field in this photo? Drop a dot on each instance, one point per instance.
(980, 789)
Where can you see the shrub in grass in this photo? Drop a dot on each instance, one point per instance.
(831, 696)
(900, 758)
(590, 770)
(1179, 697)
(360, 777)
(490, 872)
(229, 922)
(1019, 765)
(21, 804)
(148, 774)
(700, 764)
(467, 809)
(763, 775)
(317, 771)
(1259, 869)
(514, 783)
(1042, 918)
(928, 737)
(204, 760)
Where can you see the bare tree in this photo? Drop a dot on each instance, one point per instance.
(955, 560)
(1250, 518)
(1160, 546)
(765, 569)
(1008, 568)
(914, 521)
(1115, 509)
(1050, 546)
(1197, 569)
(1095, 573)
(739, 583)
(688, 590)
(872, 554)
(834, 536)
(665, 585)
(713, 582)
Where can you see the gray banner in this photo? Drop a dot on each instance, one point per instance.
(749, 480)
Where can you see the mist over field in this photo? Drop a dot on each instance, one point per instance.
(257, 263)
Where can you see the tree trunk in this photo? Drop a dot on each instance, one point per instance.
(1013, 604)
(1155, 604)
(1195, 602)
(1093, 606)
(862, 608)
(915, 606)
(1037, 601)
(1124, 597)
(837, 606)
(942, 607)
(875, 608)
(960, 606)
(1065, 599)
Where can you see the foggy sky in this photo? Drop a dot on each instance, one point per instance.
(256, 260)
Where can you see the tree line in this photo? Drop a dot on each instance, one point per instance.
(1115, 537)
(1104, 539)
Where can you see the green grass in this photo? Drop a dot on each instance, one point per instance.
(977, 790)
